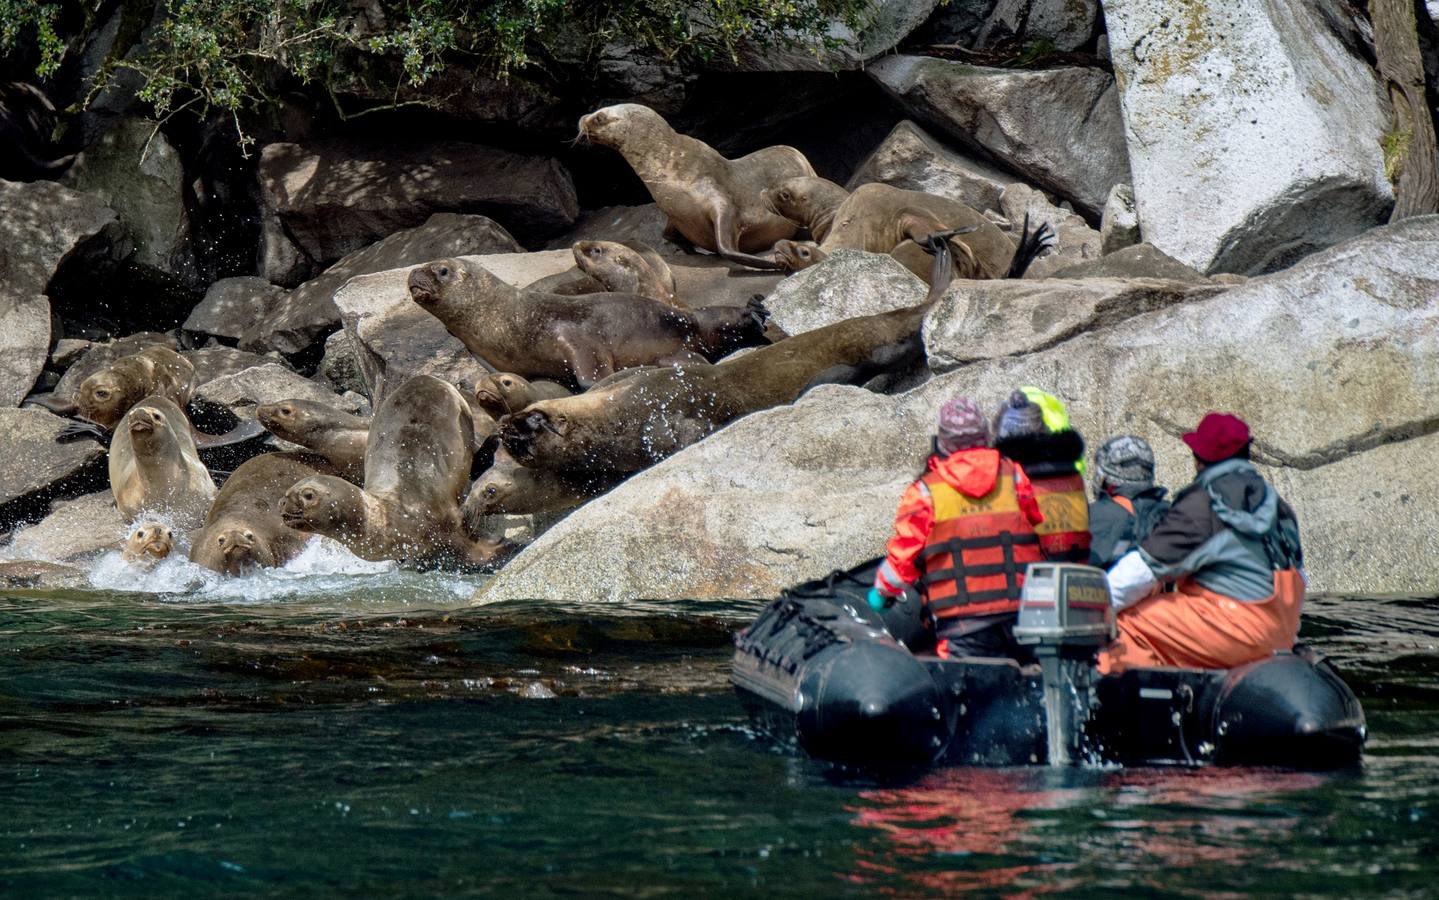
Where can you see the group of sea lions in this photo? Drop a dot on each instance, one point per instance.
(591, 380)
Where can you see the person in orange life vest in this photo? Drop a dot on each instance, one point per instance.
(1050, 455)
(963, 535)
(1126, 504)
(1233, 547)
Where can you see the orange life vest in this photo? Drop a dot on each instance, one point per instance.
(973, 562)
(1064, 533)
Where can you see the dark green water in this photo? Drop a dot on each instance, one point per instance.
(369, 741)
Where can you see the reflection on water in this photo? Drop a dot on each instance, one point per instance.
(348, 728)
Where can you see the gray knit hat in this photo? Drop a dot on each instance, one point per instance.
(1124, 461)
(1018, 416)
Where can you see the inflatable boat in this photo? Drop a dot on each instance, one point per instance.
(853, 686)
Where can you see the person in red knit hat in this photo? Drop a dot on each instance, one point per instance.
(1232, 547)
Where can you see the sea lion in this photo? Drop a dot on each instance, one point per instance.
(502, 393)
(148, 542)
(320, 428)
(880, 218)
(508, 488)
(155, 466)
(243, 529)
(417, 467)
(107, 395)
(628, 268)
(576, 340)
(633, 422)
(711, 202)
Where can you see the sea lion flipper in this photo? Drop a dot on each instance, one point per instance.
(66, 408)
(725, 241)
(78, 429)
(239, 434)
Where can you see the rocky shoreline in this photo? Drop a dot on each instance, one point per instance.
(1221, 188)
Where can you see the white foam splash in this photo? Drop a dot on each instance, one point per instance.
(323, 568)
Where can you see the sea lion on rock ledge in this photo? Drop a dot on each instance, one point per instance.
(320, 428)
(155, 468)
(417, 467)
(635, 421)
(106, 396)
(573, 339)
(711, 202)
(243, 529)
(628, 268)
(502, 393)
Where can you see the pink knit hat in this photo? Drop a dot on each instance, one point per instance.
(961, 426)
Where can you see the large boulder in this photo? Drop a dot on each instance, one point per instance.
(43, 227)
(1059, 128)
(847, 284)
(393, 339)
(37, 469)
(234, 306)
(217, 362)
(644, 223)
(1137, 261)
(270, 383)
(881, 28)
(294, 322)
(74, 529)
(1064, 24)
(134, 170)
(1254, 134)
(774, 498)
(911, 159)
(334, 197)
(1119, 224)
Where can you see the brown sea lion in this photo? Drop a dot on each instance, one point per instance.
(633, 422)
(320, 428)
(711, 202)
(502, 393)
(155, 467)
(508, 488)
(417, 468)
(148, 542)
(106, 396)
(576, 340)
(879, 218)
(628, 268)
(243, 529)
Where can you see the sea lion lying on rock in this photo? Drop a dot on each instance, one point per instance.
(711, 202)
(147, 543)
(334, 434)
(628, 268)
(881, 218)
(107, 395)
(243, 529)
(573, 339)
(155, 467)
(502, 393)
(417, 467)
(633, 422)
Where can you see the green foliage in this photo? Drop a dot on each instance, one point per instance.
(231, 54)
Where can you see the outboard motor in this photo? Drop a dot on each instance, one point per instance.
(1065, 614)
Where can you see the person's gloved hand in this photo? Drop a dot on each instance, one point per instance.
(877, 601)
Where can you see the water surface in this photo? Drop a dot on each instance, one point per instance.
(365, 732)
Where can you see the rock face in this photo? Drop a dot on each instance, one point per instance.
(335, 197)
(882, 27)
(43, 226)
(911, 159)
(790, 493)
(1138, 261)
(847, 284)
(82, 527)
(134, 170)
(36, 468)
(271, 383)
(1059, 128)
(217, 362)
(644, 223)
(1067, 24)
(233, 306)
(1254, 135)
(1119, 225)
(779, 496)
(297, 320)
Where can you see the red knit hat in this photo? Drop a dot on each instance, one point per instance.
(1218, 437)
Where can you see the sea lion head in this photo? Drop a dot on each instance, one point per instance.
(105, 397)
(314, 504)
(233, 548)
(804, 200)
(145, 420)
(612, 126)
(796, 255)
(538, 431)
(488, 497)
(288, 419)
(502, 393)
(148, 542)
(431, 283)
(613, 265)
(725, 329)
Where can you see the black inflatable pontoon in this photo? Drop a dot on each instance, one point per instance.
(821, 669)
